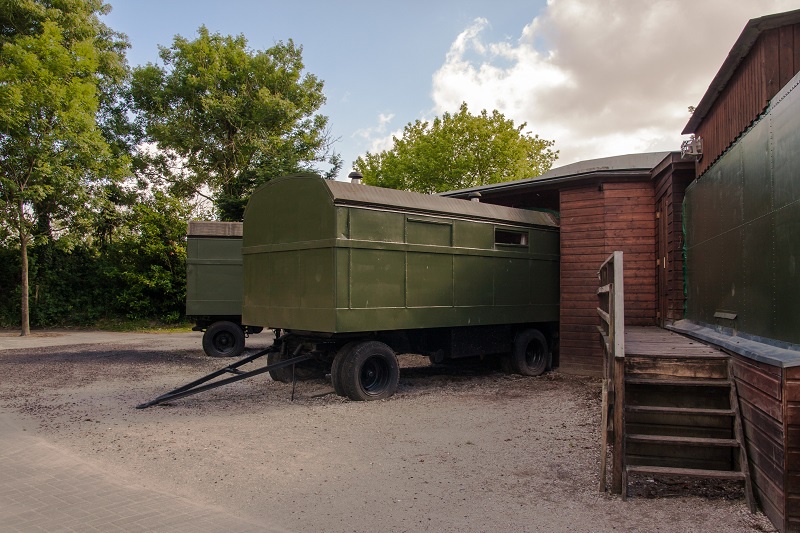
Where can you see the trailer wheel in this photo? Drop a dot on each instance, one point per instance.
(530, 355)
(336, 367)
(223, 339)
(369, 372)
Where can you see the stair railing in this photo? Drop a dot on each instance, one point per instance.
(611, 309)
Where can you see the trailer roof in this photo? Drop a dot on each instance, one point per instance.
(365, 195)
(213, 228)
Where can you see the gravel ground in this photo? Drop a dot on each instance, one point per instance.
(462, 449)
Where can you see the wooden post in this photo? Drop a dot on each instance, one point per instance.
(617, 312)
(612, 331)
(603, 436)
(619, 426)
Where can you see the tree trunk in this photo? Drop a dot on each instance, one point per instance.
(23, 246)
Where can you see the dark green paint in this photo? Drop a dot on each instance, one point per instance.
(213, 276)
(335, 257)
(743, 229)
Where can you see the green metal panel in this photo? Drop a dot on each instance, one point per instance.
(372, 259)
(430, 279)
(213, 276)
(470, 235)
(429, 231)
(727, 197)
(756, 197)
(374, 225)
(786, 141)
(513, 281)
(377, 278)
(743, 229)
(759, 271)
(471, 288)
(787, 272)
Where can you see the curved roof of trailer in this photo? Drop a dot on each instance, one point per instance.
(365, 195)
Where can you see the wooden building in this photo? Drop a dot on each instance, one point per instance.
(743, 239)
(762, 61)
(629, 203)
(634, 204)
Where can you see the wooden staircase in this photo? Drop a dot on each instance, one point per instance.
(669, 403)
(681, 415)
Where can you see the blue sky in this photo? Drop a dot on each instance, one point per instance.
(600, 78)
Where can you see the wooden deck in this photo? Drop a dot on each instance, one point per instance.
(653, 341)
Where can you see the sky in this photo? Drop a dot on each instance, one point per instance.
(600, 78)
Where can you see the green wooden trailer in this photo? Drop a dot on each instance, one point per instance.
(357, 274)
(349, 276)
(214, 286)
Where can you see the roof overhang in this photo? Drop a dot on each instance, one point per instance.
(619, 168)
(750, 34)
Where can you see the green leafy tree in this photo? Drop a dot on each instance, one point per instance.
(458, 151)
(58, 68)
(226, 118)
(145, 266)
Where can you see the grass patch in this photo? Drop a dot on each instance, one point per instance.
(141, 326)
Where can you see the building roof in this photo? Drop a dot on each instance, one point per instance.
(750, 34)
(619, 164)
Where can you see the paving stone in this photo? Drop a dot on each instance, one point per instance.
(44, 487)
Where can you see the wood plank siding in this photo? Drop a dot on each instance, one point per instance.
(761, 402)
(595, 221)
(582, 252)
(772, 61)
(670, 188)
(791, 398)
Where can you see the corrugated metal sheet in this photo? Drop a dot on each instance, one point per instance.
(208, 228)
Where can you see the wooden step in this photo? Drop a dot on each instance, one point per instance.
(688, 472)
(722, 383)
(692, 411)
(686, 441)
(674, 367)
(707, 354)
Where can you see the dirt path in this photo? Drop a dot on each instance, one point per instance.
(465, 450)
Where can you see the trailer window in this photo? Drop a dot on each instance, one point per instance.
(510, 237)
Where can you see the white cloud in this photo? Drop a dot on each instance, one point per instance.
(379, 129)
(378, 137)
(600, 78)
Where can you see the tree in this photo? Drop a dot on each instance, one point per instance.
(457, 152)
(146, 264)
(58, 67)
(225, 118)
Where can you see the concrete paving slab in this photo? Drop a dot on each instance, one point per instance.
(190, 340)
(46, 487)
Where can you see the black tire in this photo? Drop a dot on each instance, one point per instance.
(531, 355)
(284, 375)
(369, 372)
(336, 367)
(223, 339)
(302, 371)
